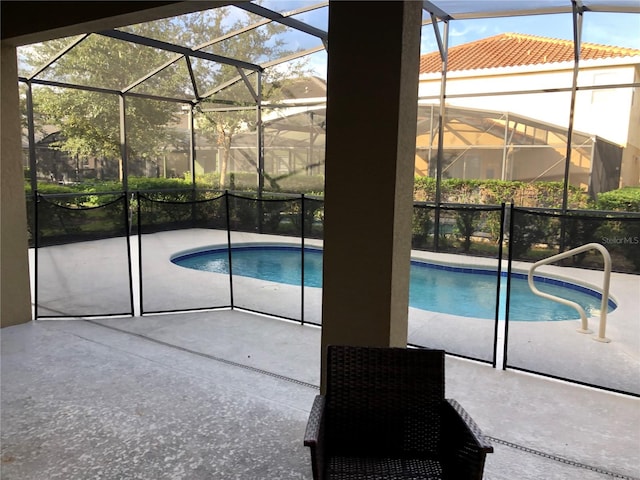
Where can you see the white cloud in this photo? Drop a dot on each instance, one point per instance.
(469, 30)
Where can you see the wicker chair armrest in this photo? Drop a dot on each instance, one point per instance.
(465, 448)
(473, 431)
(316, 417)
(314, 437)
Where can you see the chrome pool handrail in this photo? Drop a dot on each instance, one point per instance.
(605, 287)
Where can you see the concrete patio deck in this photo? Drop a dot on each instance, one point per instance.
(92, 278)
(226, 394)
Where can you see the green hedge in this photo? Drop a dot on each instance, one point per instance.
(308, 184)
(494, 192)
(625, 199)
(488, 192)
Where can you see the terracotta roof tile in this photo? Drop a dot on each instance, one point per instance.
(515, 49)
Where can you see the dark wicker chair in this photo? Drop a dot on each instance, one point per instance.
(384, 416)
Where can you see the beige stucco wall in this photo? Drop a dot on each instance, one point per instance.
(611, 114)
(630, 172)
(367, 248)
(15, 297)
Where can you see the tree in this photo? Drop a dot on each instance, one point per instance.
(225, 123)
(255, 46)
(89, 122)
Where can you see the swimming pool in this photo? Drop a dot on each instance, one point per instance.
(462, 291)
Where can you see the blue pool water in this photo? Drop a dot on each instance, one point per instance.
(454, 290)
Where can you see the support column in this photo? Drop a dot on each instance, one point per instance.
(373, 65)
(15, 297)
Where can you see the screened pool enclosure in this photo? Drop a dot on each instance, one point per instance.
(235, 97)
(210, 128)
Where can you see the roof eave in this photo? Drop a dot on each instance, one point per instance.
(533, 68)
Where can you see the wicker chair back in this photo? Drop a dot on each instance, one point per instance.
(384, 401)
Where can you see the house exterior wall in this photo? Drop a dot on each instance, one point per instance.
(15, 295)
(630, 171)
(611, 114)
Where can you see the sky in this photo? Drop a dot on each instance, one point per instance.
(614, 29)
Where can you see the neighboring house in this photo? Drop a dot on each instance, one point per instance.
(532, 69)
(507, 99)
(56, 166)
(482, 144)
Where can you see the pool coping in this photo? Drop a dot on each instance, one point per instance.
(429, 263)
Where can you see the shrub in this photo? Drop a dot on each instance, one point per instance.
(424, 189)
(421, 226)
(144, 183)
(528, 231)
(205, 180)
(296, 184)
(498, 191)
(466, 223)
(54, 188)
(625, 199)
(495, 192)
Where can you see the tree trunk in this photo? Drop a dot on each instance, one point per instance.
(224, 142)
(224, 161)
